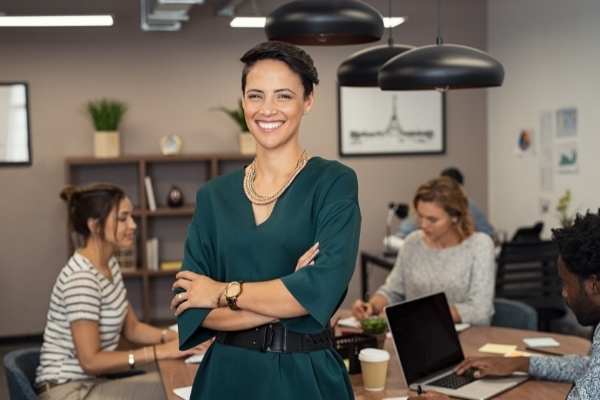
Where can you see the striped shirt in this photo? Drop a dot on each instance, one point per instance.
(81, 292)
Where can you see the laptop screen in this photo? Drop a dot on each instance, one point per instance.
(424, 336)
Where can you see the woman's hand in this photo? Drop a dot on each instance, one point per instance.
(362, 310)
(308, 258)
(170, 350)
(200, 292)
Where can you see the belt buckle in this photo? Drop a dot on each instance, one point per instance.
(267, 339)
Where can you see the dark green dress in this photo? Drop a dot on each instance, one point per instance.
(321, 205)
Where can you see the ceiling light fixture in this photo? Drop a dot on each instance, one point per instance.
(362, 68)
(259, 22)
(15, 21)
(441, 67)
(325, 23)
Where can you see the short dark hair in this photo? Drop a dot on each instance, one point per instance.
(293, 56)
(579, 245)
(94, 201)
(455, 174)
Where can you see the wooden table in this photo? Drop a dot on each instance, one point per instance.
(175, 373)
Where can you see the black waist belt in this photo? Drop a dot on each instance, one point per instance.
(275, 338)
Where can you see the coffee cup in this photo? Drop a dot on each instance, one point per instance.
(374, 364)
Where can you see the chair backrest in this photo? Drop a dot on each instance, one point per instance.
(529, 233)
(514, 314)
(20, 366)
(528, 271)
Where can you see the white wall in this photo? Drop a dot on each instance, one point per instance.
(551, 55)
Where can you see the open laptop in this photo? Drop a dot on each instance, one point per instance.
(428, 348)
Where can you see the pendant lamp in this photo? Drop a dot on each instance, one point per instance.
(362, 67)
(441, 67)
(325, 23)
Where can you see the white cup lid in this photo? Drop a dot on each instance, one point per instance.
(373, 355)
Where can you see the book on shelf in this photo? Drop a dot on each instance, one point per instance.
(150, 193)
(152, 254)
(127, 258)
(170, 265)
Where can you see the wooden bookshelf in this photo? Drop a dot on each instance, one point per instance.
(187, 171)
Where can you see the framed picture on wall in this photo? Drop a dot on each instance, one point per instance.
(372, 122)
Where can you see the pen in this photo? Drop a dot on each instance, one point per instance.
(419, 390)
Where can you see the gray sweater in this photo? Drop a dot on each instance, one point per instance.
(465, 272)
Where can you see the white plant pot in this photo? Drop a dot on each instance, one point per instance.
(247, 143)
(106, 144)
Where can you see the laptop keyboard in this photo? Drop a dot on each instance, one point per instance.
(452, 381)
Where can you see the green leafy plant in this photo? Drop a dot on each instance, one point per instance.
(237, 115)
(106, 114)
(563, 209)
(373, 325)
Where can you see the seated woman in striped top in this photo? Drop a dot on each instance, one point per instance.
(89, 310)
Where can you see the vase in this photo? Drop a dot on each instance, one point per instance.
(247, 143)
(175, 197)
(106, 144)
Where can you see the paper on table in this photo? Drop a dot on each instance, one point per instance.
(497, 348)
(184, 392)
(396, 398)
(541, 342)
(349, 322)
(174, 327)
(195, 359)
(517, 353)
(461, 327)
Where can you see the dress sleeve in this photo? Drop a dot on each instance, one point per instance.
(198, 256)
(564, 369)
(320, 288)
(478, 307)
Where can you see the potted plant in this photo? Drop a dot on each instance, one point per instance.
(562, 207)
(247, 142)
(106, 116)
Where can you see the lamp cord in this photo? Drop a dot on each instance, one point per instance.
(390, 35)
(439, 39)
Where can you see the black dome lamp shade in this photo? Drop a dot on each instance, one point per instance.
(325, 23)
(362, 67)
(441, 67)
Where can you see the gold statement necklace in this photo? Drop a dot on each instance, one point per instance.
(259, 199)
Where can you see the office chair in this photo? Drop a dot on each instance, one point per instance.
(20, 366)
(527, 272)
(529, 233)
(514, 314)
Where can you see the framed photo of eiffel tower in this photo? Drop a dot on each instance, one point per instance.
(373, 122)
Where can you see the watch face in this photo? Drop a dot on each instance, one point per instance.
(170, 144)
(233, 290)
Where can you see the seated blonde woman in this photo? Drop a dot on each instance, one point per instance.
(445, 255)
(89, 310)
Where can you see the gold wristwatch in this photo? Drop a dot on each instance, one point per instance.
(232, 292)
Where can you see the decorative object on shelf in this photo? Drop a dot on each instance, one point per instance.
(566, 219)
(175, 197)
(150, 193)
(170, 265)
(106, 116)
(325, 23)
(247, 142)
(362, 67)
(170, 145)
(441, 67)
(374, 122)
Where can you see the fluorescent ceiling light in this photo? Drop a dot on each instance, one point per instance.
(259, 22)
(55, 20)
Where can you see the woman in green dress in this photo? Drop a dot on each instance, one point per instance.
(252, 277)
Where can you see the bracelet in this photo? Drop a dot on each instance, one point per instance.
(154, 352)
(163, 335)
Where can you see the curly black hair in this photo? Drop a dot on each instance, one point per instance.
(297, 59)
(579, 245)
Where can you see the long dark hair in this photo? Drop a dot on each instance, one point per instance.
(94, 201)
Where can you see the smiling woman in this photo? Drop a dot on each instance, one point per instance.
(271, 250)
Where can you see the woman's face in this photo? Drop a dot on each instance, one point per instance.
(274, 103)
(119, 229)
(434, 220)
